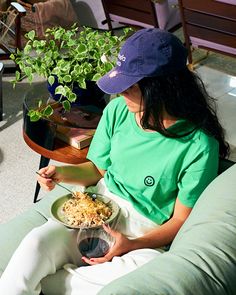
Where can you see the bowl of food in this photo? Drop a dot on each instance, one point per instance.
(84, 210)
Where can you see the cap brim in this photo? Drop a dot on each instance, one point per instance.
(116, 82)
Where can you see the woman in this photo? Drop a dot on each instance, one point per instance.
(155, 150)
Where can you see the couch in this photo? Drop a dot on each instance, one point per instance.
(201, 259)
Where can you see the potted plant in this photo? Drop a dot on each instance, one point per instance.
(72, 59)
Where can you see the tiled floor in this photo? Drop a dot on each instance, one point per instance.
(223, 88)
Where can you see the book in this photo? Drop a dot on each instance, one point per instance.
(76, 137)
(78, 117)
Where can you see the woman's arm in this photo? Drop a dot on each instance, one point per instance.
(156, 238)
(85, 174)
(164, 235)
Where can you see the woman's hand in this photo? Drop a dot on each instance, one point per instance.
(85, 174)
(122, 245)
(46, 175)
(158, 237)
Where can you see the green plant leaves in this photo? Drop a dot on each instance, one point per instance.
(70, 55)
(81, 48)
(51, 80)
(96, 77)
(67, 78)
(31, 35)
(60, 90)
(17, 75)
(48, 111)
(34, 115)
(66, 105)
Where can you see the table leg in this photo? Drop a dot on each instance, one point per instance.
(43, 163)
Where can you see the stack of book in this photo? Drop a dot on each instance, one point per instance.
(76, 137)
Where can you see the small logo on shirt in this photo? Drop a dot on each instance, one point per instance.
(149, 181)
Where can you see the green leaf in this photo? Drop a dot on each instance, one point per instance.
(30, 78)
(71, 97)
(82, 83)
(108, 66)
(27, 49)
(34, 115)
(12, 56)
(48, 111)
(31, 35)
(96, 77)
(51, 80)
(81, 48)
(60, 90)
(17, 75)
(40, 103)
(66, 105)
(28, 71)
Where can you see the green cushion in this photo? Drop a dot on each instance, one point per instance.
(12, 232)
(166, 275)
(202, 257)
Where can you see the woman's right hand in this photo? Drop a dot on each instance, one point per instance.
(47, 174)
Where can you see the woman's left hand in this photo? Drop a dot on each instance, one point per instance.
(122, 245)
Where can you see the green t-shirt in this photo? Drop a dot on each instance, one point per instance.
(148, 169)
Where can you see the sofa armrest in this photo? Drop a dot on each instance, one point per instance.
(202, 257)
(12, 233)
(165, 275)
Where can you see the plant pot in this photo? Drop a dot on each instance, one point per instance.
(92, 95)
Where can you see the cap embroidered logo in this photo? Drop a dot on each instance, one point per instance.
(113, 74)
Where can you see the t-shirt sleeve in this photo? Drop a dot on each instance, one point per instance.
(197, 176)
(99, 150)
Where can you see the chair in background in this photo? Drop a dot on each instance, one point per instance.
(44, 14)
(10, 30)
(161, 14)
(210, 25)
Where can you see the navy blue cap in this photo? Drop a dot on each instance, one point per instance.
(147, 53)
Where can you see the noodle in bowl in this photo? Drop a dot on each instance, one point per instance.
(85, 210)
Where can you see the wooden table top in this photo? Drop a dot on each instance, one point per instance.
(62, 151)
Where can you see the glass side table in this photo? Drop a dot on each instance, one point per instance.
(41, 137)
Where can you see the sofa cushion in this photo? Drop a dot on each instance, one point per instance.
(202, 257)
(12, 233)
(166, 275)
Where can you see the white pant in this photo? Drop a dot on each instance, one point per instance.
(48, 258)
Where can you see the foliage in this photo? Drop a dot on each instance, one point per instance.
(71, 56)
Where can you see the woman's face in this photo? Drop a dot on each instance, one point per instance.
(133, 98)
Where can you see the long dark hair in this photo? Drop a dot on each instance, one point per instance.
(184, 96)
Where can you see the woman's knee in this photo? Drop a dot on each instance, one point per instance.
(50, 238)
(35, 241)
